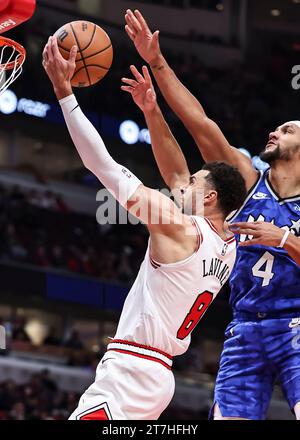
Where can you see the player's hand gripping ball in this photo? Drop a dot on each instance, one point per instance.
(95, 53)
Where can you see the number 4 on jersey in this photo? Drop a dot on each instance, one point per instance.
(266, 260)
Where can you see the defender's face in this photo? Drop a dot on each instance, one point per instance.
(284, 144)
(192, 195)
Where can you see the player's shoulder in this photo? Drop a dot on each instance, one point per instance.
(207, 229)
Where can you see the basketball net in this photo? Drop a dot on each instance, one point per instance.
(12, 57)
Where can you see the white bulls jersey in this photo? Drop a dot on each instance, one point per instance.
(134, 379)
(167, 301)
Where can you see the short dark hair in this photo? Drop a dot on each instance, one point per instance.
(229, 184)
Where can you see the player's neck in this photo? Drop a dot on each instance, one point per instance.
(219, 223)
(285, 178)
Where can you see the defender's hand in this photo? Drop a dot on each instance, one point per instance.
(141, 89)
(263, 233)
(59, 70)
(146, 43)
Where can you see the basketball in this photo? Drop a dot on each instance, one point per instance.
(95, 52)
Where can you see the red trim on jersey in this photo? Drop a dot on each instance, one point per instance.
(135, 344)
(199, 235)
(229, 240)
(133, 353)
(153, 263)
(99, 414)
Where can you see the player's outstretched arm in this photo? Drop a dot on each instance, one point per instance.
(209, 138)
(87, 140)
(168, 154)
(167, 225)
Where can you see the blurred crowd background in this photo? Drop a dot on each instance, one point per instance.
(64, 274)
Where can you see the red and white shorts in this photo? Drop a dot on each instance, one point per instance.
(133, 382)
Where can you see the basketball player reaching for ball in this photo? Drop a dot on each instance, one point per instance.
(262, 341)
(188, 259)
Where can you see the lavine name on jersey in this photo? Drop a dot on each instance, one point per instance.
(217, 268)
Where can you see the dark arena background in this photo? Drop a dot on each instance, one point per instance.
(64, 275)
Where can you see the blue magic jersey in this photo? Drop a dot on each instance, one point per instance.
(266, 279)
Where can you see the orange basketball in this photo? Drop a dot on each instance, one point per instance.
(95, 52)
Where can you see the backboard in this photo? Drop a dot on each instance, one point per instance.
(15, 12)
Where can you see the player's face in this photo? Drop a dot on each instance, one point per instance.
(284, 144)
(194, 193)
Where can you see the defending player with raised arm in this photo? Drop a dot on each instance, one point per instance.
(168, 155)
(212, 143)
(188, 260)
(266, 278)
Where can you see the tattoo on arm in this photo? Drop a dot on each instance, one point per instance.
(158, 67)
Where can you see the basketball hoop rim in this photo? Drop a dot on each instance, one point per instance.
(19, 60)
